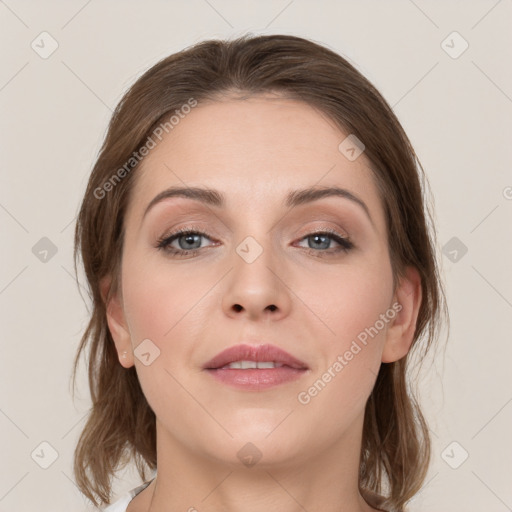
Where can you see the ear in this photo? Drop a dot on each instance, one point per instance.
(406, 302)
(117, 324)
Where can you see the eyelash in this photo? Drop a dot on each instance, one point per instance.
(345, 244)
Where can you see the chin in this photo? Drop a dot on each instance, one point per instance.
(253, 445)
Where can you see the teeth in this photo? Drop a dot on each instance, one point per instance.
(245, 365)
(269, 364)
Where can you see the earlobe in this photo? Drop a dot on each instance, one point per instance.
(407, 302)
(117, 324)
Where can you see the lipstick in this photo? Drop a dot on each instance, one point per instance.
(255, 367)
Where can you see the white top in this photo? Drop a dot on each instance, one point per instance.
(122, 503)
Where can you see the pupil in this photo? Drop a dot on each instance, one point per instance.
(319, 237)
(189, 239)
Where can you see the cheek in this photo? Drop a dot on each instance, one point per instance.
(354, 306)
(167, 306)
(159, 307)
(347, 299)
(157, 301)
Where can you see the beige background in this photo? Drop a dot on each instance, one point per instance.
(53, 115)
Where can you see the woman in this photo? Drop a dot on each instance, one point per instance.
(255, 238)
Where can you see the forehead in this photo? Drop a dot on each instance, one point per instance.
(253, 149)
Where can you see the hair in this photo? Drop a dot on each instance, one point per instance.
(396, 448)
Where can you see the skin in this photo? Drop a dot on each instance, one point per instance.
(255, 151)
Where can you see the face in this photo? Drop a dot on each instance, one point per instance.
(310, 276)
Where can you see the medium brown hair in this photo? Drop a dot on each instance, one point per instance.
(395, 451)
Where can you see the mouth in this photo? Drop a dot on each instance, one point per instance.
(255, 367)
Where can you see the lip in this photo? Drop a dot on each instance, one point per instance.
(258, 353)
(255, 379)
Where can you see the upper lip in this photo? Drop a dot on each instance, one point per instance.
(258, 353)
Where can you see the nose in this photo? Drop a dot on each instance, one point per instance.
(257, 287)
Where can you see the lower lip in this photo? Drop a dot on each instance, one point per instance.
(256, 379)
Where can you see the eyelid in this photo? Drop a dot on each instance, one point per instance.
(176, 233)
(323, 226)
(204, 231)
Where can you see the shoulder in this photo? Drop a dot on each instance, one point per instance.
(122, 503)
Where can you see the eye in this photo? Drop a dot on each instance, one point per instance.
(189, 241)
(320, 241)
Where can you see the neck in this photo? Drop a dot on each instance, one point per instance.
(326, 480)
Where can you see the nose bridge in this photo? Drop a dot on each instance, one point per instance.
(255, 285)
(255, 246)
(253, 261)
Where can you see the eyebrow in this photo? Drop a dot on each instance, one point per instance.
(294, 198)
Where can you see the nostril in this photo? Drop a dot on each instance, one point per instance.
(237, 307)
(272, 307)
